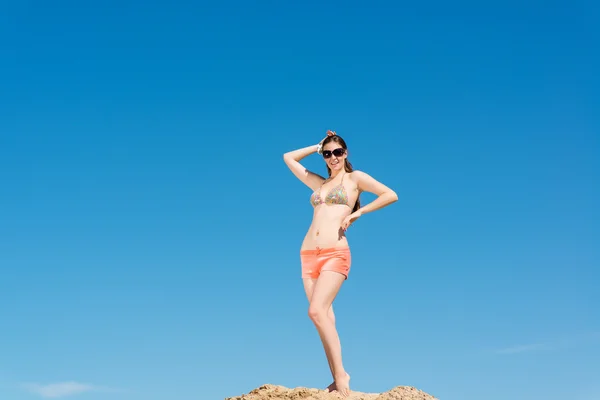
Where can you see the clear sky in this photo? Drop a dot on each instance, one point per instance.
(150, 231)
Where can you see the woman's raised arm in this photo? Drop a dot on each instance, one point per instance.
(292, 160)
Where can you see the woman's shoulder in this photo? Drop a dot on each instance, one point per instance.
(357, 174)
(361, 179)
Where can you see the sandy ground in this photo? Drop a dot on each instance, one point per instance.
(274, 392)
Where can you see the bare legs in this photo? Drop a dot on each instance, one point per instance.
(321, 293)
(309, 285)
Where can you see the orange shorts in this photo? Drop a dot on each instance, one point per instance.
(315, 261)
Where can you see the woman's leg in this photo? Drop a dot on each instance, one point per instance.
(324, 292)
(309, 285)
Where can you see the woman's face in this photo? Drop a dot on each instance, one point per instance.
(334, 155)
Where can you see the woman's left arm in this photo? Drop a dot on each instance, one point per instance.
(366, 183)
(385, 195)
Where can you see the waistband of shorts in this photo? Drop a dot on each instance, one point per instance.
(326, 250)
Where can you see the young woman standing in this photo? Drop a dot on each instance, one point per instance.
(325, 253)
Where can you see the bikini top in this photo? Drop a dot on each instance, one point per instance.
(336, 195)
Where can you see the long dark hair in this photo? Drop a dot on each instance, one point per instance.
(347, 165)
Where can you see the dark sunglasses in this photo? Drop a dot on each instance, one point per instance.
(336, 152)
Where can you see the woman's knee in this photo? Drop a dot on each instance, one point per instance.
(317, 313)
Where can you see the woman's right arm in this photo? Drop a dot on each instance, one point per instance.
(292, 159)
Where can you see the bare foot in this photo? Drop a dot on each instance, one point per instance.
(333, 387)
(342, 385)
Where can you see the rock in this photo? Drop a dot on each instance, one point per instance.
(277, 392)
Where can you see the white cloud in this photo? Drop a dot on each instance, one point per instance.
(61, 389)
(570, 341)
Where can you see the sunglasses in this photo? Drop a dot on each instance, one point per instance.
(336, 152)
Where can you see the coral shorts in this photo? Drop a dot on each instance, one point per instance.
(337, 259)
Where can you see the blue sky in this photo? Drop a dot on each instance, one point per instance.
(151, 231)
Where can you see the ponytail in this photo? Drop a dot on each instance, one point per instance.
(348, 168)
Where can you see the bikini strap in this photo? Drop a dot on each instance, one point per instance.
(321, 185)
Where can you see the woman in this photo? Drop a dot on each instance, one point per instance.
(325, 253)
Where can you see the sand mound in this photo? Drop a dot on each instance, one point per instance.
(274, 392)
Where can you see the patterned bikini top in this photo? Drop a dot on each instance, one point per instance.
(337, 195)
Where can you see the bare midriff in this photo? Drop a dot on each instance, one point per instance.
(325, 230)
